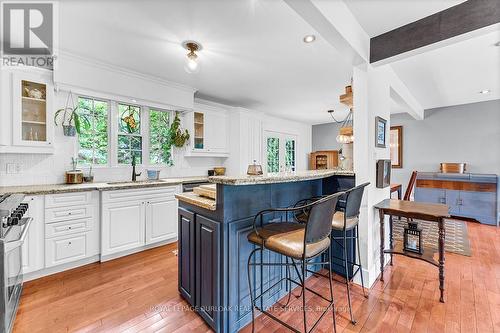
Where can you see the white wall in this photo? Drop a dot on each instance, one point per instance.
(247, 129)
(467, 133)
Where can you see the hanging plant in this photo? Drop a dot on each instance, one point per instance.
(73, 118)
(178, 136)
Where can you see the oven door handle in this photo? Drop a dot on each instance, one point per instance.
(12, 245)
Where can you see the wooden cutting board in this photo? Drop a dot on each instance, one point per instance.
(208, 191)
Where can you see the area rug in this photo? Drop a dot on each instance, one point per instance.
(456, 241)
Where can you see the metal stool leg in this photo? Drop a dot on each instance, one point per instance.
(360, 266)
(347, 277)
(331, 287)
(288, 283)
(250, 289)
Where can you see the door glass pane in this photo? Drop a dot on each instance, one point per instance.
(290, 155)
(34, 111)
(273, 154)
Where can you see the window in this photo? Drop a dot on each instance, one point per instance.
(290, 154)
(93, 137)
(280, 152)
(129, 134)
(273, 154)
(160, 145)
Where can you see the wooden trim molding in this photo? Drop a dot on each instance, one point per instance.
(399, 130)
(456, 185)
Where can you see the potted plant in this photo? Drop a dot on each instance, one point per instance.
(72, 118)
(178, 136)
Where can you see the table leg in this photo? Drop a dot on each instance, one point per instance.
(390, 236)
(399, 193)
(441, 258)
(382, 241)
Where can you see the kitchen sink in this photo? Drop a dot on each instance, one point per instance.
(136, 182)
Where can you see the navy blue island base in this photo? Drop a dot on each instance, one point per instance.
(213, 247)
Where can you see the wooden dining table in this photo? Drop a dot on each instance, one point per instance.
(414, 210)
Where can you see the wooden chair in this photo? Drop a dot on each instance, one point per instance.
(411, 185)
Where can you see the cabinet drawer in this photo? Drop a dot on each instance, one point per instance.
(68, 213)
(143, 194)
(65, 249)
(68, 227)
(67, 199)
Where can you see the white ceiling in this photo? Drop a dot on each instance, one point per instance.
(379, 16)
(253, 54)
(454, 74)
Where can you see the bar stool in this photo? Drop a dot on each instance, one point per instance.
(298, 243)
(346, 219)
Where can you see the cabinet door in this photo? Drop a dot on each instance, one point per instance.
(453, 201)
(32, 117)
(431, 195)
(216, 132)
(186, 255)
(61, 250)
(122, 227)
(207, 269)
(479, 205)
(33, 246)
(161, 220)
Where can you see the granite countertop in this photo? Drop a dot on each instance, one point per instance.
(195, 199)
(284, 177)
(65, 188)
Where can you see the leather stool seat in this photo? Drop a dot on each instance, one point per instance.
(338, 222)
(287, 238)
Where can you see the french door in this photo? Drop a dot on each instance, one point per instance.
(280, 152)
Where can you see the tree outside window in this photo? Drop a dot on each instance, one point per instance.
(273, 154)
(93, 141)
(160, 143)
(129, 134)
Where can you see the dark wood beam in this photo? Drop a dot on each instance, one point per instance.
(454, 21)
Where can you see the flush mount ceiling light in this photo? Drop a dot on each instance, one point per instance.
(192, 62)
(497, 44)
(309, 38)
(484, 92)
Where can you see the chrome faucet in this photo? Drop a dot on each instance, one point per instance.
(134, 174)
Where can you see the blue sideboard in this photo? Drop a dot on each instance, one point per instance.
(468, 195)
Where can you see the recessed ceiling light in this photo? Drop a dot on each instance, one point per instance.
(497, 44)
(486, 91)
(309, 38)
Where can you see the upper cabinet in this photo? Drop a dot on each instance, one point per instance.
(208, 128)
(32, 125)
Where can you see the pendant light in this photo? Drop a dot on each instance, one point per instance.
(192, 65)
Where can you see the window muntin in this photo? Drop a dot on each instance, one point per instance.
(290, 155)
(273, 154)
(129, 134)
(160, 144)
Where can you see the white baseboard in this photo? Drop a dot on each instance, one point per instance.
(138, 249)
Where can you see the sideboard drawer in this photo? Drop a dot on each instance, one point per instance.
(68, 227)
(65, 249)
(68, 213)
(67, 199)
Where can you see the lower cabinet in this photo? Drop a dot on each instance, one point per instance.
(122, 226)
(33, 246)
(199, 266)
(132, 219)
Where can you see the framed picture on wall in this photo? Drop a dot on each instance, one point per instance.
(380, 132)
(396, 146)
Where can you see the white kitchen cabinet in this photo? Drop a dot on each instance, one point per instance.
(71, 230)
(123, 226)
(29, 128)
(33, 247)
(161, 217)
(208, 127)
(137, 218)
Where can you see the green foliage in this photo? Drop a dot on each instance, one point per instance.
(273, 154)
(160, 141)
(94, 138)
(177, 135)
(290, 154)
(73, 117)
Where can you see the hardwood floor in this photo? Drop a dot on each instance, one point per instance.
(139, 293)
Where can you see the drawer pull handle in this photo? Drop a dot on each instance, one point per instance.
(69, 243)
(69, 228)
(69, 213)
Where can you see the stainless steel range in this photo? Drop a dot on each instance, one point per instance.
(13, 230)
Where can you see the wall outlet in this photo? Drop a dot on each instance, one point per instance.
(13, 168)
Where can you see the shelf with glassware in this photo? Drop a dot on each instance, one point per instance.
(32, 129)
(208, 128)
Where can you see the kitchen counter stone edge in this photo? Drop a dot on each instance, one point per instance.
(65, 188)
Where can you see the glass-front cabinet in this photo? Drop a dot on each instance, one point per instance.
(32, 111)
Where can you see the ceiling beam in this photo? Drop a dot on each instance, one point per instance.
(400, 93)
(444, 26)
(336, 25)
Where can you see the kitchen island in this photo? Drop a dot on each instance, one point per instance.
(213, 246)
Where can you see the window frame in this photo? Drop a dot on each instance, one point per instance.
(283, 137)
(117, 132)
(109, 130)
